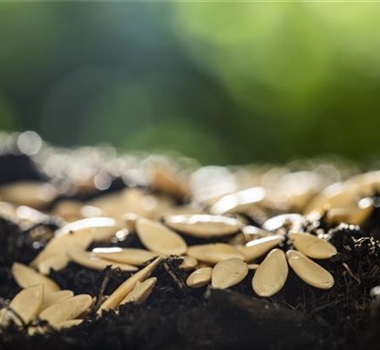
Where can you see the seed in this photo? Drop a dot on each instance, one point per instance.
(91, 261)
(26, 277)
(67, 324)
(199, 278)
(28, 302)
(253, 232)
(214, 252)
(293, 221)
(309, 271)
(312, 246)
(30, 193)
(158, 238)
(204, 226)
(55, 297)
(130, 220)
(228, 273)
(62, 242)
(133, 256)
(101, 228)
(57, 263)
(352, 215)
(140, 292)
(258, 247)
(189, 263)
(238, 202)
(271, 275)
(125, 288)
(67, 309)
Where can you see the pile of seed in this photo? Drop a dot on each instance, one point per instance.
(208, 230)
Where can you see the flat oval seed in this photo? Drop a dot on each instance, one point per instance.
(57, 263)
(90, 261)
(204, 226)
(228, 273)
(67, 309)
(133, 256)
(28, 302)
(238, 202)
(26, 277)
(309, 271)
(213, 252)
(125, 288)
(271, 275)
(312, 246)
(158, 238)
(199, 278)
(258, 247)
(55, 297)
(67, 324)
(140, 292)
(188, 263)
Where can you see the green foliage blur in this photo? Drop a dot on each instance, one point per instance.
(222, 82)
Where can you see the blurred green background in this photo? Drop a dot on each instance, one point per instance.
(221, 82)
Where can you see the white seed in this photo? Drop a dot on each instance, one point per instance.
(30, 193)
(294, 221)
(204, 226)
(28, 302)
(228, 273)
(189, 263)
(125, 288)
(101, 228)
(66, 324)
(214, 252)
(67, 309)
(140, 292)
(309, 271)
(62, 242)
(55, 297)
(91, 261)
(271, 275)
(238, 202)
(26, 277)
(312, 246)
(57, 263)
(133, 256)
(158, 238)
(258, 247)
(199, 278)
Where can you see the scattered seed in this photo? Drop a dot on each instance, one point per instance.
(62, 242)
(214, 252)
(125, 288)
(228, 273)
(258, 247)
(309, 271)
(158, 238)
(238, 202)
(67, 309)
(204, 225)
(29, 193)
(101, 228)
(91, 261)
(28, 302)
(133, 256)
(140, 292)
(271, 275)
(312, 246)
(293, 221)
(189, 263)
(27, 277)
(55, 297)
(199, 278)
(57, 263)
(66, 324)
